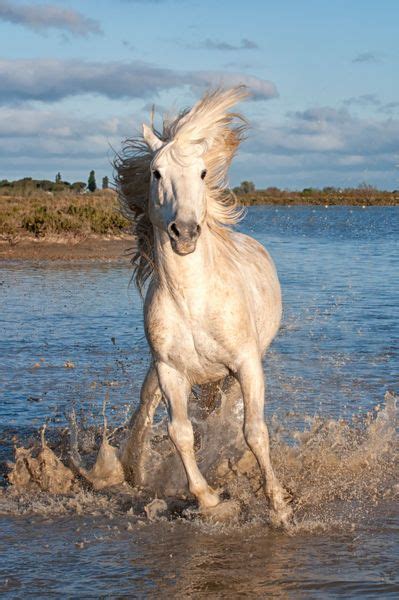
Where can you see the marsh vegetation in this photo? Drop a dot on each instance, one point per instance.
(44, 214)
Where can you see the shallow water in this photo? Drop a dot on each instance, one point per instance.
(334, 358)
(93, 558)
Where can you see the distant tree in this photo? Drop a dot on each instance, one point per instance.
(78, 186)
(105, 183)
(247, 187)
(45, 184)
(91, 184)
(58, 178)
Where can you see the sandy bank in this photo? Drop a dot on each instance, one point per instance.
(92, 248)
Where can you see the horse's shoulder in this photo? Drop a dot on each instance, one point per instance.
(156, 295)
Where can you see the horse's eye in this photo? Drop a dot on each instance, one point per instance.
(203, 174)
(156, 174)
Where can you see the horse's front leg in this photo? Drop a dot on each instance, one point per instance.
(176, 390)
(250, 376)
(135, 446)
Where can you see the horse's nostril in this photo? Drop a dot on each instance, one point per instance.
(198, 229)
(173, 230)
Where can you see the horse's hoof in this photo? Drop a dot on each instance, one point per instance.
(283, 518)
(227, 511)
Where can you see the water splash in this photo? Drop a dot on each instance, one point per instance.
(338, 471)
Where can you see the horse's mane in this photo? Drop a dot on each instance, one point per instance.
(218, 132)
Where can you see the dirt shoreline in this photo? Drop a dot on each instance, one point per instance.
(93, 248)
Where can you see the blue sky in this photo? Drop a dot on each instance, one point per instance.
(78, 77)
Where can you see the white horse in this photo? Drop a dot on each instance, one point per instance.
(213, 303)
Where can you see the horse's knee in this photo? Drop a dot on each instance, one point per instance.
(181, 434)
(255, 434)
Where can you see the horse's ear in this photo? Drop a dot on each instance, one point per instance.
(152, 141)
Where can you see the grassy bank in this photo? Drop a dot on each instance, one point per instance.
(43, 214)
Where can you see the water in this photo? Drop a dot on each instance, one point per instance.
(333, 361)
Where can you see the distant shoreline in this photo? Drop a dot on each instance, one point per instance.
(316, 202)
(319, 198)
(69, 226)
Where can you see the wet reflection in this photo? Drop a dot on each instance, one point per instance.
(186, 560)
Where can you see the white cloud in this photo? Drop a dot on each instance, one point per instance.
(51, 80)
(26, 122)
(39, 143)
(366, 57)
(42, 17)
(325, 129)
(363, 100)
(322, 146)
(211, 44)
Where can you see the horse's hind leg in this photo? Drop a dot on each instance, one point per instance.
(176, 390)
(133, 453)
(250, 376)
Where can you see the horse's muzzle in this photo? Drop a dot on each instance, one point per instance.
(183, 236)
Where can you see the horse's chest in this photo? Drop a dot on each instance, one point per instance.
(189, 340)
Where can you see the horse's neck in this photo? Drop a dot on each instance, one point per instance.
(180, 274)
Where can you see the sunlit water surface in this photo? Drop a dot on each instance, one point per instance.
(71, 331)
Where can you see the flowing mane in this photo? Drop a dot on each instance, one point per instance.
(217, 133)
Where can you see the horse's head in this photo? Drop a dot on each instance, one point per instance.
(177, 202)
